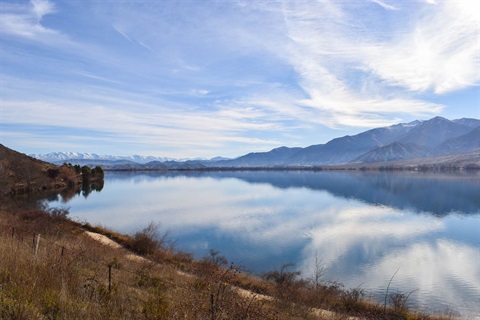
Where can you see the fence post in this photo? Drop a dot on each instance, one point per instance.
(212, 306)
(13, 232)
(36, 245)
(109, 278)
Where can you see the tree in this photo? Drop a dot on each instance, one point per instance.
(86, 172)
(99, 171)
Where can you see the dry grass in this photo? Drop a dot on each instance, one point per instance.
(68, 278)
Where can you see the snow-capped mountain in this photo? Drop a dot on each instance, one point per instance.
(418, 139)
(60, 157)
(414, 140)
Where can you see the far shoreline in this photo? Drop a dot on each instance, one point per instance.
(373, 167)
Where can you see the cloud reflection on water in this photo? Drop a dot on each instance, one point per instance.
(357, 224)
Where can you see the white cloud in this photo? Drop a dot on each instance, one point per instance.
(199, 92)
(122, 33)
(24, 20)
(164, 127)
(439, 52)
(384, 5)
(349, 226)
(355, 75)
(419, 268)
(42, 7)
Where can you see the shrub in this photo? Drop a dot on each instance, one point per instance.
(215, 258)
(282, 277)
(148, 240)
(351, 299)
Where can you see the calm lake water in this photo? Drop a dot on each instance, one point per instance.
(364, 226)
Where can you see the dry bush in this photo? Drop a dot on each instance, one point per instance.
(148, 240)
(68, 175)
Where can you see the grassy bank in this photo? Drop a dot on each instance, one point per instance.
(52, 269)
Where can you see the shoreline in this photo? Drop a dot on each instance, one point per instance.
(292, 298)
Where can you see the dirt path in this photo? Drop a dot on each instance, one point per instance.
(109, 242)
(321, 313)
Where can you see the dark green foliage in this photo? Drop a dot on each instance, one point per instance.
(86, 172)
(98, 171)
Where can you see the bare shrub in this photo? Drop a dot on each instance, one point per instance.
(318, 272)
(215, 258)
(399, 301)
(289, 291)
(352, 298)
(282, 277)
(148, 240)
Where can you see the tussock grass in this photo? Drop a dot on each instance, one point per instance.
(73, 276)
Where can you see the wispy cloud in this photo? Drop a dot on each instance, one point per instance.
(41, 8)
(335, 54)
(25, 20)
(238, 72)
(385, 5)
(122, 33)
(440, 51)
(164, 127)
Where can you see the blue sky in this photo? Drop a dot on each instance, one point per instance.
(207, 78)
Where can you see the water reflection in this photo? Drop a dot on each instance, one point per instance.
(366, 247)
(364, 226)
(439, 193)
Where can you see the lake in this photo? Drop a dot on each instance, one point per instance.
(363, 226)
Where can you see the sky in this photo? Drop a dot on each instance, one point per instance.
(210, 78)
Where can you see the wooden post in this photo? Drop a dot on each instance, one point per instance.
(36, 245)
(63, 249)
(13, 232)
(212, 306)
(109, 278)
(33, 240)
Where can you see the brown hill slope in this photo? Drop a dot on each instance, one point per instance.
(20, 174)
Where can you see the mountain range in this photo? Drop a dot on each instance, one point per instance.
(417, 139)
(60, 157)
(437, 137)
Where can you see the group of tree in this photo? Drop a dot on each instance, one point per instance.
(92, 178)
(86, 172)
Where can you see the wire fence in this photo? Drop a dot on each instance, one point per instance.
(41, 246)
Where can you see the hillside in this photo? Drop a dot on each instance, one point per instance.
(405, 141)
(466, 143)
(393, 151)
(275, 157)
(21, 174)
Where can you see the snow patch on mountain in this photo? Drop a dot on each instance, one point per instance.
(56, 157)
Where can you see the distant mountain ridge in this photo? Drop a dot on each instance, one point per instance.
(393, 152)
(60, 157)
(437, 137)
(414, 140)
